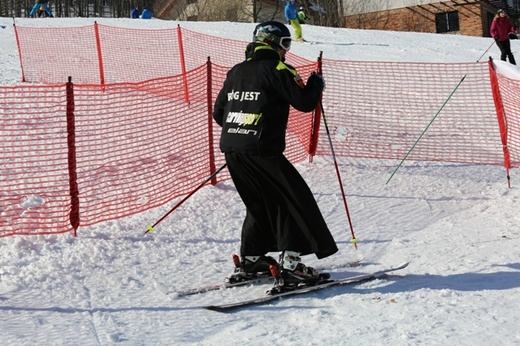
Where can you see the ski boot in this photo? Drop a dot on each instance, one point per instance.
(250, 268)
(291, 274)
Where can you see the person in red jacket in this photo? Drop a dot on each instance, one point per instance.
(501, 27)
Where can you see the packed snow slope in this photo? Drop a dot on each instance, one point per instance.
(458, 225)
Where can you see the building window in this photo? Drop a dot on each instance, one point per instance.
(446, 22)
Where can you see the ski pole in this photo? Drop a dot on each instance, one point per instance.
(150, 229)
(353, 240)
(427, 126)
(492, 43)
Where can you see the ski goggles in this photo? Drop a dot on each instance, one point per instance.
(285, 43)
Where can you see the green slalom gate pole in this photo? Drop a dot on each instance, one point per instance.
(422, 134)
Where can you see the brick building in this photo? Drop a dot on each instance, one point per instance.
(465, 17)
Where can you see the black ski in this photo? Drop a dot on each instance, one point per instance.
(268, 298)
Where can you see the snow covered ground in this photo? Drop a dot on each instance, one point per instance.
(459, 226)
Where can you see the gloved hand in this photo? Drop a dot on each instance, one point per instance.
(496, 38)
(317, 80)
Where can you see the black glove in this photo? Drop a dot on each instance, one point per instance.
(317, 80)
(496, 39)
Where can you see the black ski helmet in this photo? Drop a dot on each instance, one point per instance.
(273, 33)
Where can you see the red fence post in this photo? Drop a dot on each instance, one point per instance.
(19, 51)
(71, 144)
(501, 117)
(100, 55)
(211, 145)
(183, 65)
(313, 145)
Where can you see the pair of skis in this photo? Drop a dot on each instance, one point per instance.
(303, 290)
(259, 279)
(275, 296)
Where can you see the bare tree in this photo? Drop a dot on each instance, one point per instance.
(252, 9)
(327, 13)
(207, 10)
(223, 10)
(15, 8)
(260, 11)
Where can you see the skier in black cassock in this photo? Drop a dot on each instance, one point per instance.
(253, 109)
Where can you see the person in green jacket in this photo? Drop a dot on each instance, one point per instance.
(302, 16)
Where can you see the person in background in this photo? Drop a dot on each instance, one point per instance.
(147, 14)
(291, 14)
(37, 5)
(501, 27)
(41, 12)
(281, 213)
(302, 16)
(136, 12)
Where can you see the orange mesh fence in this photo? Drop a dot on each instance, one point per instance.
(99, 54)
(134, 146)
(379, 110)
(300, 126)
(78, 154)
(139, 145)
(34, 175)
(510, 98)
(50, 55)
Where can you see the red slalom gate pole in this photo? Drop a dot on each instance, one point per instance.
(150, 229)
(354, 239)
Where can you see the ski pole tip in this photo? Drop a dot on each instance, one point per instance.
(353, 240)
(149, 229)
